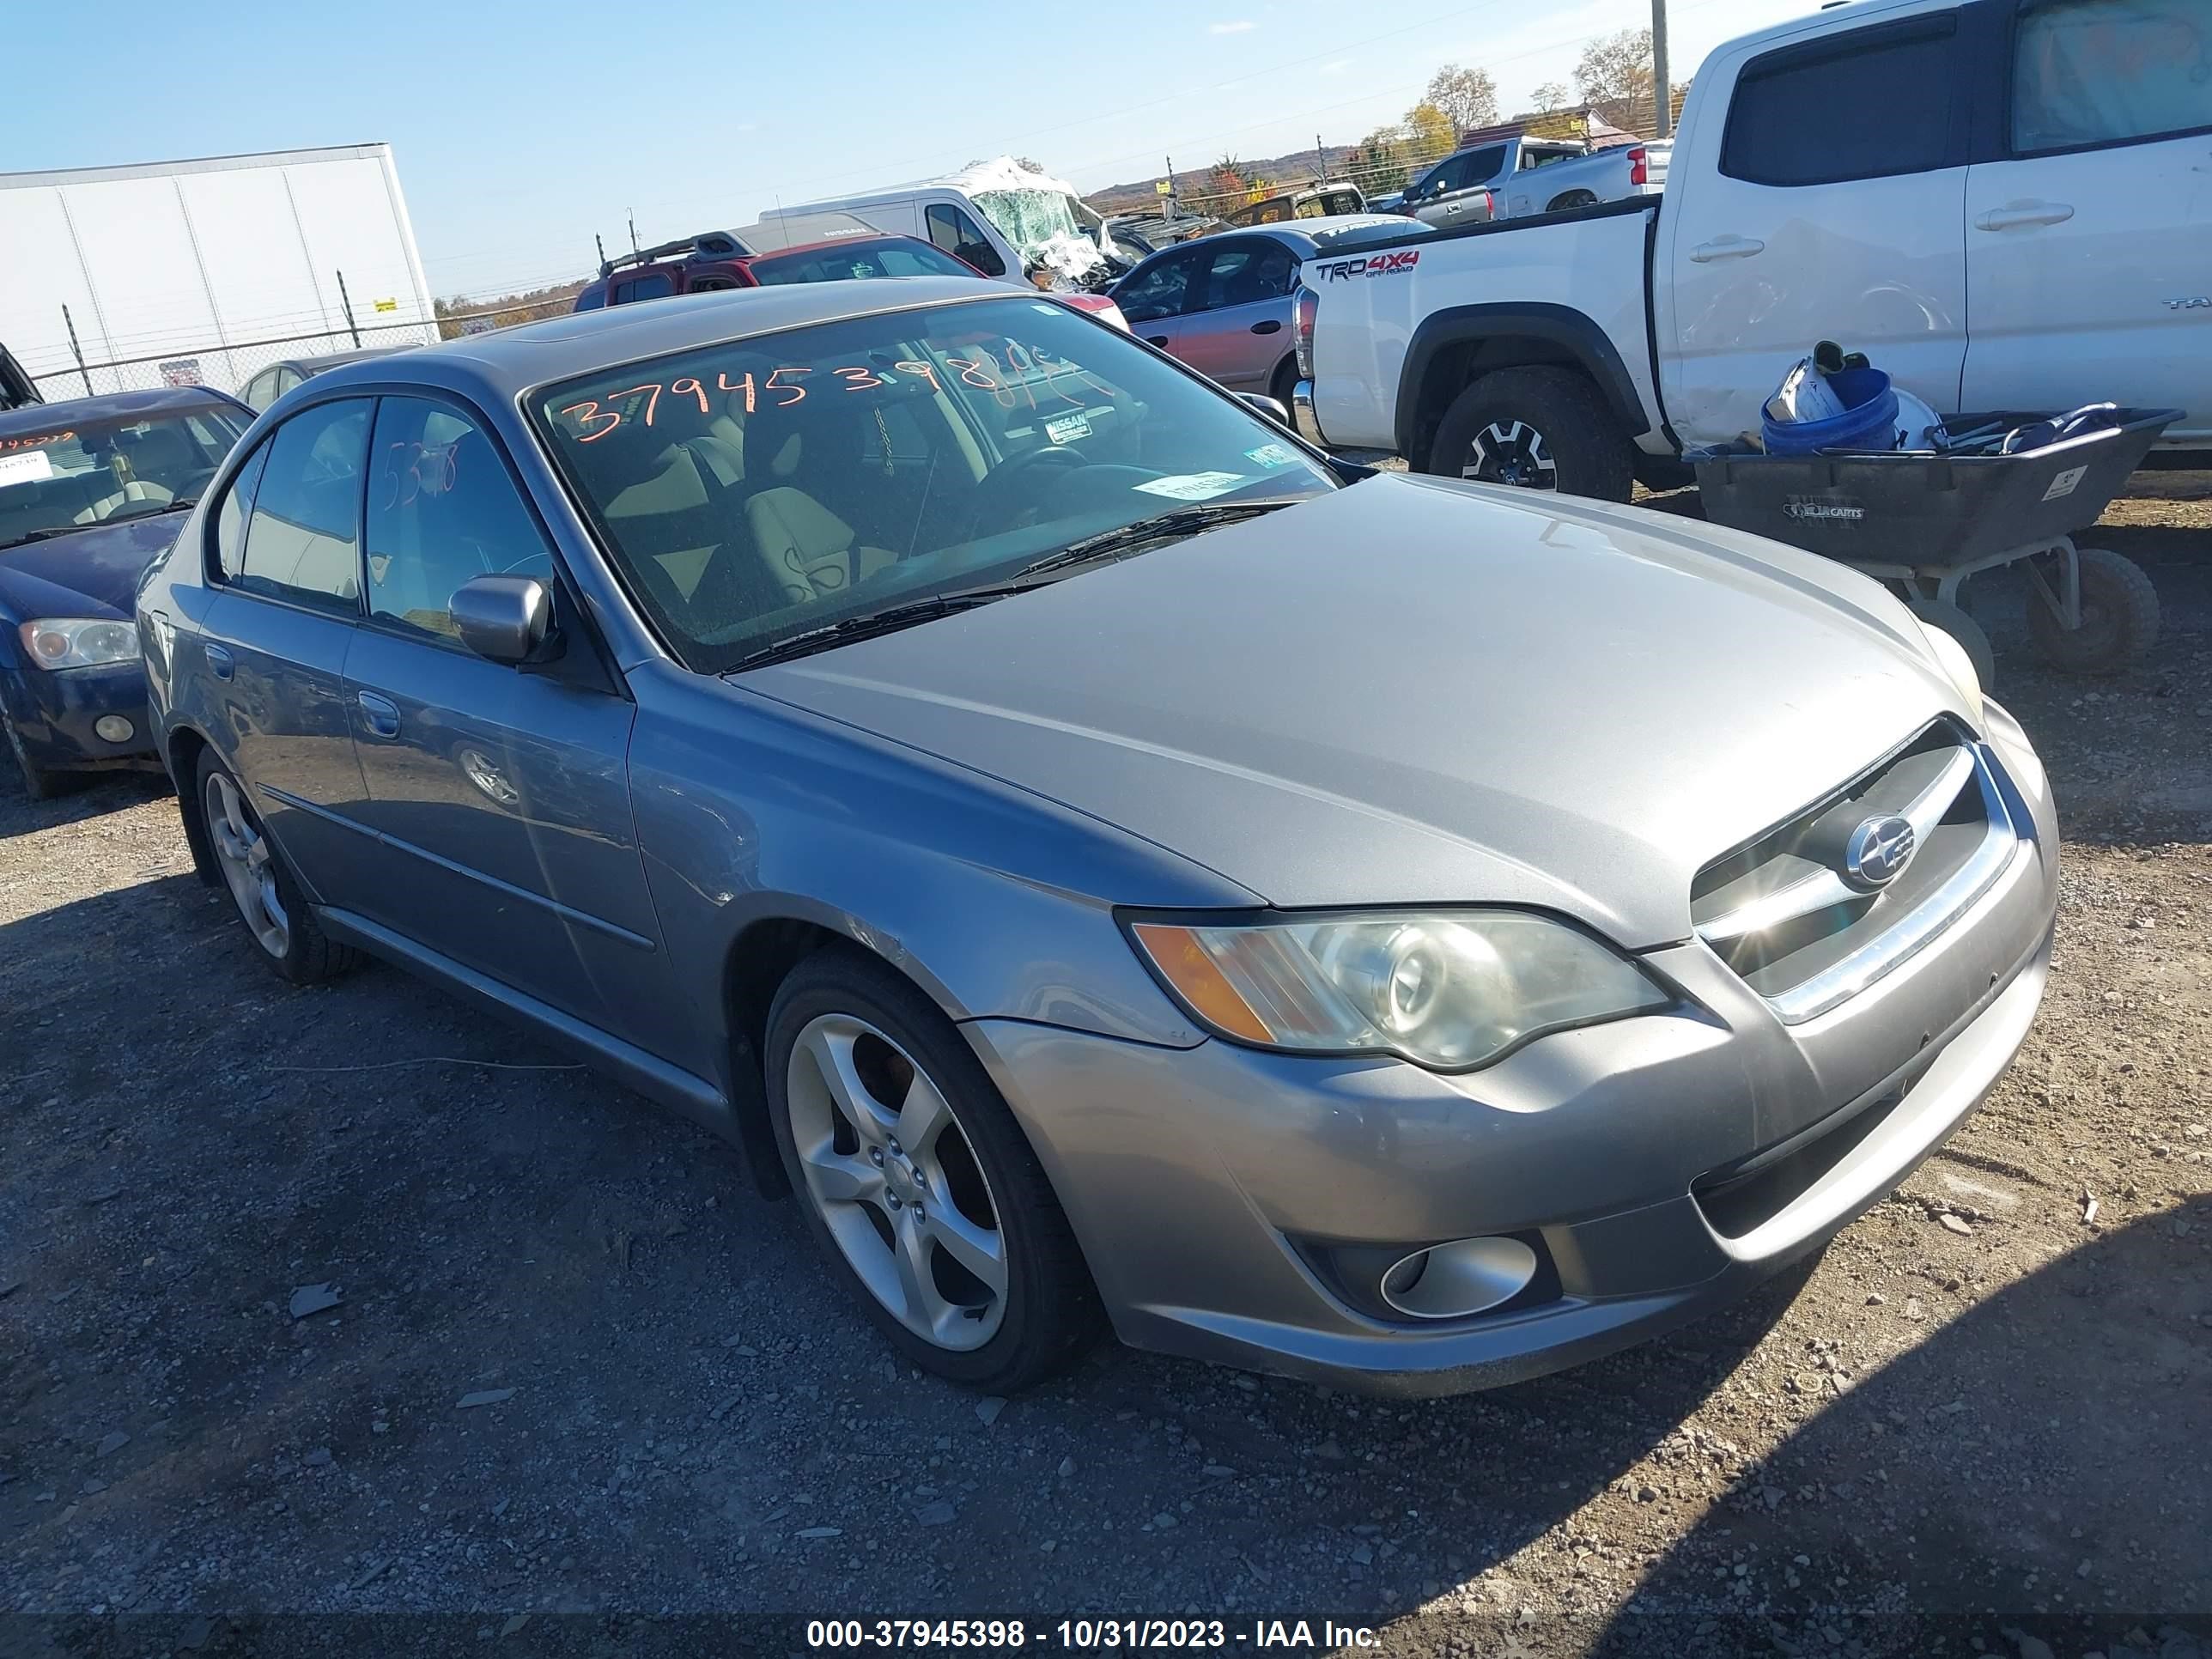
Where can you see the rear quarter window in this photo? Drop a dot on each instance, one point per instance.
(1780, 126)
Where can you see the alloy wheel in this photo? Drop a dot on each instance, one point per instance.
(1511, 453)
(248, 865)
(891, 1173)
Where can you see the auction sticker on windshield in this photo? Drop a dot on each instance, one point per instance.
(1192, 486)
(1270, 455)
(33, 466)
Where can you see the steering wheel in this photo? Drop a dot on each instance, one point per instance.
(991, 495)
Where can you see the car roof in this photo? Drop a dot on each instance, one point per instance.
(870, 239)
(111, 405)
(331, 360)
(498, 366)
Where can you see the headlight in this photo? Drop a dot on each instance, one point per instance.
(78, 641)
(1952, 657)
(1445, 990)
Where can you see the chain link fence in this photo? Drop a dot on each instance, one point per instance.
(228, 365)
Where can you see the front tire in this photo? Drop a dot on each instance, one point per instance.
(916, 1180)
(39, 783)
(1536, 428)
(268, 900)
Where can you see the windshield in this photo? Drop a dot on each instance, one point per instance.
(750, 491)
(87, 471)
(859, 262)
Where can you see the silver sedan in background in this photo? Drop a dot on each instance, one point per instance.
(1114, 865)
(1222, 303)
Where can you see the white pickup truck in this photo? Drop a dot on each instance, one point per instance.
(2006, 203)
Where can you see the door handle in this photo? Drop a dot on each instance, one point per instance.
(1155, 339)
(2014, 215)
(219, 663)
(381, 713)
(1727, 247)
(1273, 325)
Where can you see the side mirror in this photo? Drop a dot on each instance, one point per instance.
(1271, 407)
(504, 618)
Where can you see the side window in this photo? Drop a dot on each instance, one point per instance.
(1449, 174)
(951, 230)
(1480, 166)
(658, 286)
(442, 508)
(1245, 273)
(1774, 135)
(1157, 291)
(2106, 71)
(230, 517)
(301, 539)
(258, 394)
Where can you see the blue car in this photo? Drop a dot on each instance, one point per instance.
(91, 492)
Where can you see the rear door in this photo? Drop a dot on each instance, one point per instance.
(276, 637)
(1818, 227)
(1236, 326)
(1154, 295)
(500, 796)
(2089, 238)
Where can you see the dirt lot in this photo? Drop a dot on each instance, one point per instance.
(1983, 1421)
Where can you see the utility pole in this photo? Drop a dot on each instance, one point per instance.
(632, 211)
(1320, 160)
(1662, 89)
(1171, 193)
(600, 243)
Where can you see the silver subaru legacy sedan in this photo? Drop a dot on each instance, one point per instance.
(1113, 865)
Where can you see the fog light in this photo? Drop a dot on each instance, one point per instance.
(113, 728)
(1454, 1280)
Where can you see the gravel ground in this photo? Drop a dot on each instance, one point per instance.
(577, 1373)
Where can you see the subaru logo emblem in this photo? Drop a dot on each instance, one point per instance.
(1877, 851)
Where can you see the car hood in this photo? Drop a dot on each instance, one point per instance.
(92, 572)
(1416, 691)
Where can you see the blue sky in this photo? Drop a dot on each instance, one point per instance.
(519, 129)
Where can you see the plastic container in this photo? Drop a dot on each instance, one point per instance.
(1927, 510)
(1869, 420)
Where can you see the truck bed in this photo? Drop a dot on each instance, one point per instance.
(1394, 305)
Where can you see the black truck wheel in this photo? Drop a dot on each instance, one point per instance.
(1538, 428)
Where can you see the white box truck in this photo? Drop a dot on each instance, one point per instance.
(181, 271)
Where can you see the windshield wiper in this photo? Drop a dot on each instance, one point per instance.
(47, 534)
(1111, 543)
(1146, 533)
(889, 620)
(181, 504)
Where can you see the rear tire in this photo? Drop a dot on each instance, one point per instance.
(1539, 428)
(856, 1057)
(2119, 617)
(268, 901)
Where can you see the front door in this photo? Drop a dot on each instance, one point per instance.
(2089, 244)
(500, 796)
(1153, 296)
(277, 634)
(1814, 228)
(1237, 328)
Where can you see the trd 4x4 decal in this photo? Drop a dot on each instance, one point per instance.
(1375, 264)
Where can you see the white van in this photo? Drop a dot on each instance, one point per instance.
(999, 216)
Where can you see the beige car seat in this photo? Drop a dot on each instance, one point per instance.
(809, 551)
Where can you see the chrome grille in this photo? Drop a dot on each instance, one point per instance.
(1795, 912)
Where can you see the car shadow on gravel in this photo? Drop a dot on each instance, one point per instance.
(83, 797)
(1987, 1483)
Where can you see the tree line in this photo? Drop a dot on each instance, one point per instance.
(1614, 70)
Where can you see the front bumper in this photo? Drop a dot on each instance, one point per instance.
(55, 710)
(1303, 416)
(1216, 1190)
